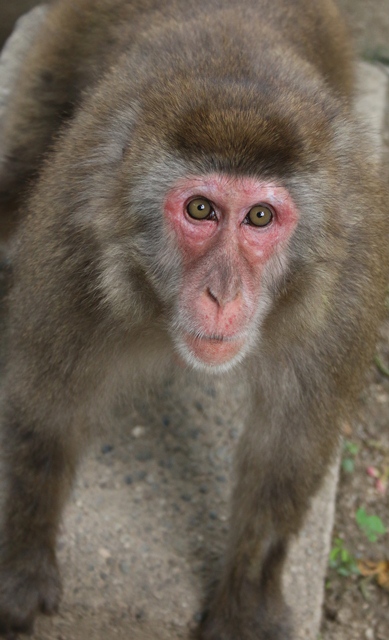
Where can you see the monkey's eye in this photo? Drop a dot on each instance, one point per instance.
(200, 209)
(260, 216)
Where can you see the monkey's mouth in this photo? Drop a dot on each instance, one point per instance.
(213, 350)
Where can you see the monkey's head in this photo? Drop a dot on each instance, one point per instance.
(213, 183)
(207, 213)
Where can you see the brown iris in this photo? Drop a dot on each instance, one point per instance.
(260, 215)
(199, 208)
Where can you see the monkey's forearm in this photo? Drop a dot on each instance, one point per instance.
(276, 477)
(37, 469)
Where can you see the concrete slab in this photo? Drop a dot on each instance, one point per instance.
(148, 519)
(15, 50)
(369, 24)
(9, 13)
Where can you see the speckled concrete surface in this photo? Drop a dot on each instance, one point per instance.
(146, 526)
(15, 49)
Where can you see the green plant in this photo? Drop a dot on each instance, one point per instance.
(350, 450)
(372, 526)
(342, 560)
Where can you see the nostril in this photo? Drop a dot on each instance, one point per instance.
(212, 296)
(222, 299)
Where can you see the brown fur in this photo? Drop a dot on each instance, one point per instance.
(117, 100)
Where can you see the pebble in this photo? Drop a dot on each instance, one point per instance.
(106, 448)
(166, 464)
(138, 431)
(344, 615)
(144, 456)
(140, 614)
(223, 453)
(104, 553)
(124, 567)
(369, 634)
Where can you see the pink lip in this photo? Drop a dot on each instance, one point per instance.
(213, 351)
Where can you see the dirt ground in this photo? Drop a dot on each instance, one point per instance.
(356, 608)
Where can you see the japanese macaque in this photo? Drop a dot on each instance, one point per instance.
(194, 188)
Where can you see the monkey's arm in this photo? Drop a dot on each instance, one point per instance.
(283, 455)
(44, 426)
(37, 469)
(302, 389)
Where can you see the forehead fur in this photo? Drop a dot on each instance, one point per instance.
(239, 127)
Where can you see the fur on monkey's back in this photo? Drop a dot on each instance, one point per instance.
(214, 36)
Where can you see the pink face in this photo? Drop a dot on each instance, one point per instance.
(227, 230)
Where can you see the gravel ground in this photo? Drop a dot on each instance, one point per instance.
(356, 608)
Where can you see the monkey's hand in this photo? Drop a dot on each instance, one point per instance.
(231, 618)
(29, 584)
(244, 629)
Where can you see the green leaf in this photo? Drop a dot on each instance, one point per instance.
(351, 447)
(372, 526)
(342, 560)
(348, 465)
(345, 556)
(334, 553)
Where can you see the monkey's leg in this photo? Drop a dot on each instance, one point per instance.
(37, 467)
(279, 469)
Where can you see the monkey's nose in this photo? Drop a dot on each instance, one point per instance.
(212, 296)
(223, 298)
